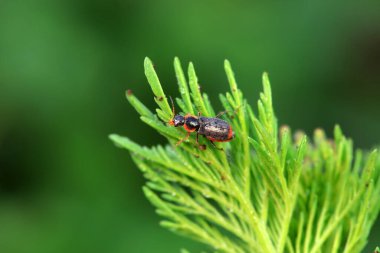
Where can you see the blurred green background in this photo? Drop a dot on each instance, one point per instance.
(64, 67)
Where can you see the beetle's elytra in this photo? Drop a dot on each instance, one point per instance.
(214, 129)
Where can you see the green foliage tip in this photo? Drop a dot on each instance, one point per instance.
(269, 190)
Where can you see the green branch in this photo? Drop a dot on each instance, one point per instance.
(265, 192)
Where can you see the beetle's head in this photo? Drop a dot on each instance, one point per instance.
(177, 120)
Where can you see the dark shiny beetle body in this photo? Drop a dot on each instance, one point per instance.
(214, 129)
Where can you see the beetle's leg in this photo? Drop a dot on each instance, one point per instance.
(201, 147)
(183, 139)
(220, 114)
(221, 149)
(223, 112)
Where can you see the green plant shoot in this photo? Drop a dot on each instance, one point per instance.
(268, 191)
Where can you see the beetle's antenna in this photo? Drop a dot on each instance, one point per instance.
(172, 106)
(171, 121)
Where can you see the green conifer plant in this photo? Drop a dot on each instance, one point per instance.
(268, 190)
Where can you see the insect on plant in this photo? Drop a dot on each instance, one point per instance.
(214, 129)
(270, 192)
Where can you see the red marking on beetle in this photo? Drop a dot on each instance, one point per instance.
(217, 140)
(188, 129)
(230, 133)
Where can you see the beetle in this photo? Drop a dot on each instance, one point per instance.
(214, 129)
